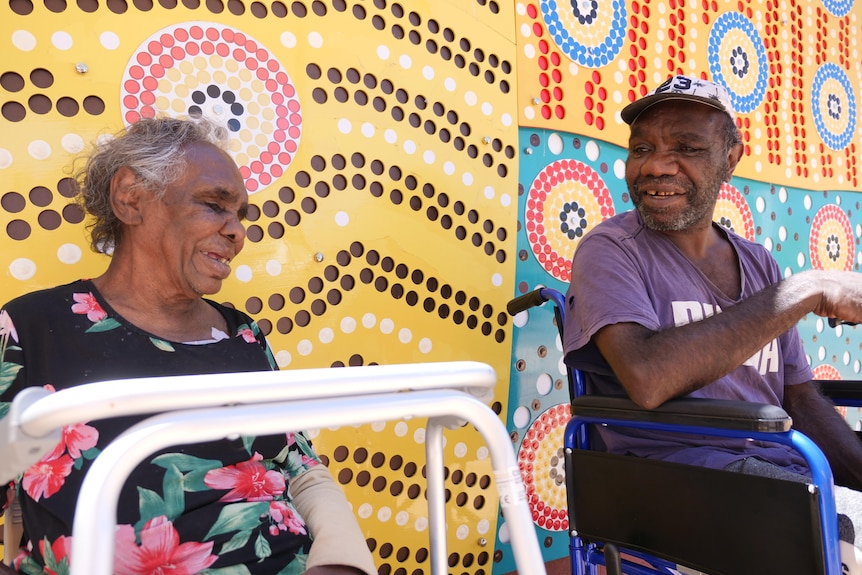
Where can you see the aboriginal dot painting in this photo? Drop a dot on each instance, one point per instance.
(411, 167)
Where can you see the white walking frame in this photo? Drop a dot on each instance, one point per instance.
(201, 408)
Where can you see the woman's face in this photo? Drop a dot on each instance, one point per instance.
(195, 230)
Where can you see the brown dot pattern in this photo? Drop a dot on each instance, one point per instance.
(418, 111)
(358, 268)
(295, 303)
(51, 209)
(397, 481)
(17, 104)
(391, 184)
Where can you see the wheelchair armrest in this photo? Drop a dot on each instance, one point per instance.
(841, 390)
(688, 411)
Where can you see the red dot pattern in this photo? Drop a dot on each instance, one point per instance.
(149, 66)
(594, 103)
(826, 371)
(798, 89)
(771, 34)
(797, 39)
(676, 35)
(545, 513)
(550, 77)
(731, 198)
(638, 42)
(557, 263)
(817, 243)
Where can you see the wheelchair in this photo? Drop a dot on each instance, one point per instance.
(647, 517)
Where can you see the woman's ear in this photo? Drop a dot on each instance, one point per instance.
(126, 197)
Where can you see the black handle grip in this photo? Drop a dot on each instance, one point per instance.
(835, 322)
(526, 301)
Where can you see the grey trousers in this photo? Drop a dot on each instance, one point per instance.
(847, 501)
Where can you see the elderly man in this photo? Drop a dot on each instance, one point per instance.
(665, 303)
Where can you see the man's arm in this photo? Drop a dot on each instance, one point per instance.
(815, 416)
(654, 366)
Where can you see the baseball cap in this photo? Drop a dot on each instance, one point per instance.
(681, 88)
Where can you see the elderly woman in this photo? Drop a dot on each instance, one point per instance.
(168, 202)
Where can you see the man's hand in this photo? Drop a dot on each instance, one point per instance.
(815, 416)
(840, 295)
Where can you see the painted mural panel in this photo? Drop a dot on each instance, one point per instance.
(793, 74)
(378, 145)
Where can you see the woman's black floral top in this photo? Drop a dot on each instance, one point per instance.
(219, 508)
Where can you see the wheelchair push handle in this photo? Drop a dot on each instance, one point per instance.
(535, 298)
(526, 301)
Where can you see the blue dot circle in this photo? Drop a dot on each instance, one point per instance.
(589, 56)
(838, 7)
(839, 106)
(741, 63)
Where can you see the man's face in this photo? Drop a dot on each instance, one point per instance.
(676, 164)
(196, 228)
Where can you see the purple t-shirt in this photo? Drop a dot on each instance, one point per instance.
(624, 272)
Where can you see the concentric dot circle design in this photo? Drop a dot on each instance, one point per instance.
(831, 242)
(588, 31)
(737, 60)
(198, 68)
(826, 371)
(732, 212)
(833, 104)
(838, 8)
(566, 199)
(540, 459)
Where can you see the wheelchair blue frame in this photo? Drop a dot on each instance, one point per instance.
(585, 557)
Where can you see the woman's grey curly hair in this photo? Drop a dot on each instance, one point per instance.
(155, 150)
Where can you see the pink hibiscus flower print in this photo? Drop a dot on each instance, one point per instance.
(88, 305)
(7, 328)
(285, 519)
(160, 552)
(247, 481)
(45, 478)
(60, 548)
(246, 334)
(79, 437)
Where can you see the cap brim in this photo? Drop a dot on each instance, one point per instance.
(631, 112)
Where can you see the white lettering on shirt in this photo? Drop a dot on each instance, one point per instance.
(765, 361)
